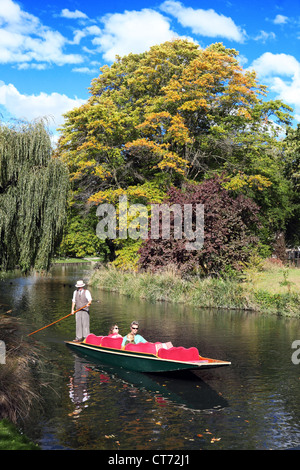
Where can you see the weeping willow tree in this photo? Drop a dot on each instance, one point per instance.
(33, 197)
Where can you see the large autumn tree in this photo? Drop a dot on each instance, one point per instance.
(176, 113)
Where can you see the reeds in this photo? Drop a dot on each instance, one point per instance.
(18, 387)
(169, 286)
(208, 292)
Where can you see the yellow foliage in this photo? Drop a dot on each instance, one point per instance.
(146, 193)
(146, 144)
(172, 161)
(128, 257)
(90, 167)
(241, 180)
(154, 120)
(169, 160)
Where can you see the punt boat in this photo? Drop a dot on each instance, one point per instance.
(143, 357)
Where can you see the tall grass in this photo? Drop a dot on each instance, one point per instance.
(18, 385)
(169, 286)
(198, 292)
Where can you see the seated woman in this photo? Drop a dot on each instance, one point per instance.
(114, 332)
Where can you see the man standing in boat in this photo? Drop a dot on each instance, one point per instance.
(82, 299)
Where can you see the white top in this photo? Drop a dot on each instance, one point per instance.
(87, 294)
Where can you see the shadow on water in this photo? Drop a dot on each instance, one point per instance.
(184, 389)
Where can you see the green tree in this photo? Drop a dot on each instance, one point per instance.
(80, 237)
(292, 171)
(33, 197)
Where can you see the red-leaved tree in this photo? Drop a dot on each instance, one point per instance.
(230, 231)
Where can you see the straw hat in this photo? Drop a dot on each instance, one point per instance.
(80, 284)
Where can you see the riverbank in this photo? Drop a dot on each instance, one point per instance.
(20, 384)
(272, 290)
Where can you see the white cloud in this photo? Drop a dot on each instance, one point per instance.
(87, 70)
(66, 13)
(9, 11)
(269, 64)
(280, 19)
(26, 66)
(82, 33)
(13, 19)
(132, 31)
(204, 22)
(289, 92)
(24, 39)
(263, 36)
(281, 72)
(31, 107)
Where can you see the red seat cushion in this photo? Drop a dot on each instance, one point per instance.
(93, 339)
(179, 354)
(108, 342)
(149, 348)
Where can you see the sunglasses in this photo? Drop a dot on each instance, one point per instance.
(116, 328)
(134, 327)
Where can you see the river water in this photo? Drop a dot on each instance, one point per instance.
(252, 404)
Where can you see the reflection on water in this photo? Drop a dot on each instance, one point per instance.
(253, 404)
(184, 389)
(124, 409)
(78, 387)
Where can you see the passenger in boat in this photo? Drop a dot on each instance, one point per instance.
(129, 338)
(81, 298)
(134, 327)
(114, 332)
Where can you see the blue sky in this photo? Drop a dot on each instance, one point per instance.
(50, 51)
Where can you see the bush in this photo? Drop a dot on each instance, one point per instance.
(283, 304)
(230, 232)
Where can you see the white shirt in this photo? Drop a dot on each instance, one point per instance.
(87, 294)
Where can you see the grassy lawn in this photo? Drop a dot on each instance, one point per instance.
(76, 260)
(12, 439)
(276, 280)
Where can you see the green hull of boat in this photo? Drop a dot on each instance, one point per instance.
(141, 362)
